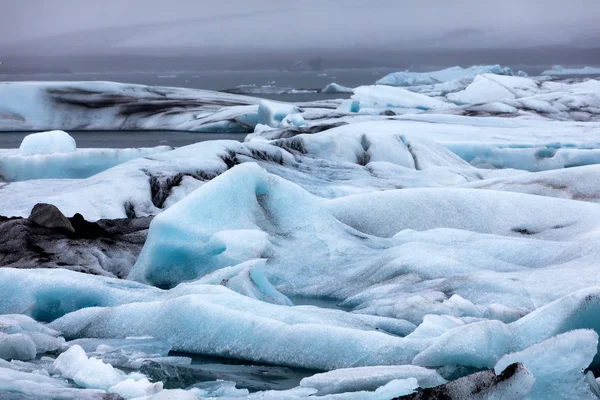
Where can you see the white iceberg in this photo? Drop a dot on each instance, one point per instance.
(272, 113)
(374, 99)
(335, 88)
(407, 78)
(558, 70)
(489, 88)
(47, 143)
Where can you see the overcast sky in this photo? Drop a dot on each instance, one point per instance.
(78, 25)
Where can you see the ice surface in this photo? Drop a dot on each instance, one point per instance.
(47, 143)
(93, 373)
(559, 70)
(272, 114)
(35, 106)
(16, 346)
(247, 278)
(284, 338)
(22, 338)
(488, 88)
(331, 163)
(374, 99)
(557, 365)
(77, 164)
(336, 88)
(427, 78)
(369, 378)
(18, 384)
(436, 251)
(86, 372)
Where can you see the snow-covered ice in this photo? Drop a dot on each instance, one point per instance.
(427, 78)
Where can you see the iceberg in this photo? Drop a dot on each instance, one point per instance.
(335, 88)
(369, 99)
(47, 143)
(272, 114)
(278, 337)
(407, 78)
(40, 106)
(558, 364)
(369, 378)
(559, 70)
(78, 164)
(489, 88)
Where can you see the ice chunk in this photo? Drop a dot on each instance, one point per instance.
(369, 378)
(407, 78)
(47, 143)
(272, 113)
(16, 347)
(130, 388)
(478, 345)
(292, 336)
(218, 389)
(18, 384)
(396, 388)
(335, 88)
(557, 365)
(248, 279)
(22, 338)
(86, 372)
(372, 99)
(292, 120)
(490, 88)
(174, 394)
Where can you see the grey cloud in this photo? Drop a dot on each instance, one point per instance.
(74, 25)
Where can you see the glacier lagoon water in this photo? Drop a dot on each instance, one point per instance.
(126, 139)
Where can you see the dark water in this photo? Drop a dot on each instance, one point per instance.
(126, 139)
(248, 375)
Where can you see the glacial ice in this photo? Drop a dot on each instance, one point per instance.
(559, 70)
(431, 231)
(18, 384)
(427, 78)
(22, 338)
(47, 143)
(558, 364)
(247, 278)
(93, 373)
(77, 164)
(36, 106)
(369, 378)
(272, 113)
(373, 99)
(336, 88)
(489, 88)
